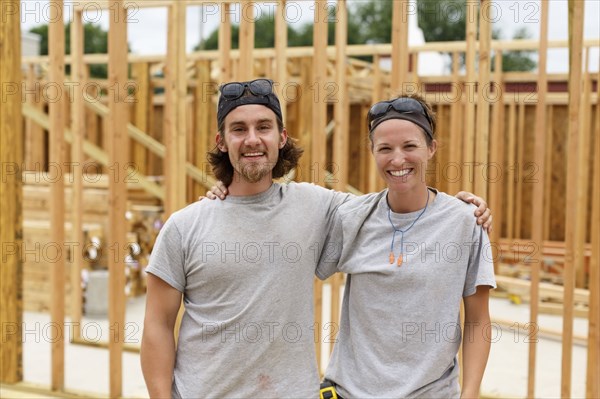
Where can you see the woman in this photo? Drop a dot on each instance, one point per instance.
(411, 254)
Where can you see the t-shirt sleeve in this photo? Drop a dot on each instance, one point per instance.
(167, 257)
(332, 249)
(480, 270)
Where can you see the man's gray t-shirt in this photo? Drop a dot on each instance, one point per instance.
(400, 328)
(246, 268)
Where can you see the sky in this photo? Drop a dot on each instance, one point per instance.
(147, 28)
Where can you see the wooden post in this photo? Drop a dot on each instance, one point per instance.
(575, 47)
(548, 175)
(319, 121)
(377, 95)
(400, 54)
(510, 174)
(246, 40)
(537, 216)
(203, 134)
(175, 104)
(483, 106)
(518, 215)
(225, 43)
(34, 134)
(56, 75)
(78, 134)
(11, 228)
(117, 151)
(341, 135)
(454, 183)
(584, 172)
(497, 147)
(143, 96)
(469, 136)
(281, 43)
(593, 354)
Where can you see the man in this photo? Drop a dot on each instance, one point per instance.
(244, 267)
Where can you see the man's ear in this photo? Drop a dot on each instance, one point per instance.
(283, 138)
(220, 143)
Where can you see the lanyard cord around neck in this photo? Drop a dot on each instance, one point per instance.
(402, 232)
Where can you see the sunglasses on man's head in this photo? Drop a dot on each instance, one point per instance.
(402, 104)
(258, 87)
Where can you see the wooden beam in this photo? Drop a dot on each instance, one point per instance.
(175, 126)
(518, 215)
(281, 43)
(483, 107)
(143, 102)
(118, 158)
(341, 108)
(537, 216)
(510, 174)
(57, 150)
(11, 229)
(469, 122)
(78, 137)
(246, 40)
(400, 55)
(593, 354)
(319, 88)
(575, 48)
(225, 44)
(456, 137)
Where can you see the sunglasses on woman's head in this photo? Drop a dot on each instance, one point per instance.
(258, 87)
(402, 104)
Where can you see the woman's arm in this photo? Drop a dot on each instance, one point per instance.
(158, 340)
(476, 344)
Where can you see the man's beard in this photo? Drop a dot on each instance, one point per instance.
(254, 172)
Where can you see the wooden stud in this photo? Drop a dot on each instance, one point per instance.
(584, 172)
(225, 43)
(305, 112)
(548, 175)
(538, 198)
(341, 109)
(573, 179)
(400, 54)
(246, 40)
(519, 168)
(281, 43)
(510, 175)
(319, 90)
(34, 136)
(56, 74)
(469, 123)
(593, 354)
(78, 137)
(483, 107)
(455, 148)
(174, 114)
(11, 229)
(143, 102)
(118, 158)
(203, 134)
(376, 96)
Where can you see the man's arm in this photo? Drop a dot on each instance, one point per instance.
(482, 213)
(476, 345)
(158, 340)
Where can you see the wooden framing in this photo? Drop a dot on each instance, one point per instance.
(480, 185)
(317, 69)
(246, 40)
(78, 137)
(538, 197)
(11, 228)
(400, 54)
(573, 186)
(469, 123)
(118, 156)
(56, 36)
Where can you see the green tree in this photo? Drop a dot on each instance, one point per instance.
(95, 42)
(518, 60)
(264, 37)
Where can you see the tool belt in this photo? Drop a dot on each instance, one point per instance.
(328, 391)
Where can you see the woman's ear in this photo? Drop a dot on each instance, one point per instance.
(432, 149)
(220, 143)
